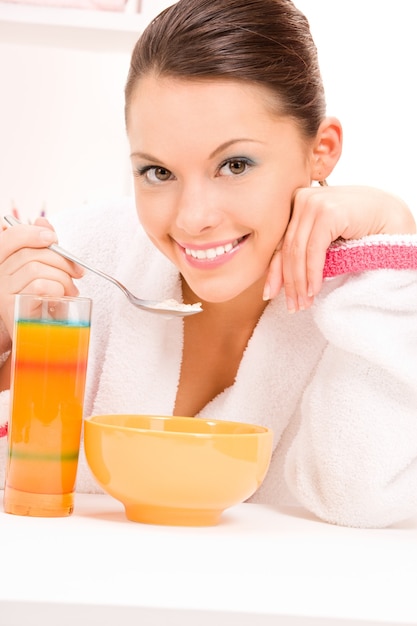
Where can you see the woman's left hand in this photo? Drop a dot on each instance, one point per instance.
(319, 216)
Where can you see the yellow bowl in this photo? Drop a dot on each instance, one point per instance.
(176, 470)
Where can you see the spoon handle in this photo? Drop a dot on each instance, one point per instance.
(13, 221)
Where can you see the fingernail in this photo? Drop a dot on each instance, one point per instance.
(290, 305)
(310, 291)
(267, 292)
(48, 236)
(301, 303)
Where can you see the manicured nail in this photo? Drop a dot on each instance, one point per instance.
(267, 292)
(301, 303)
(310, 291)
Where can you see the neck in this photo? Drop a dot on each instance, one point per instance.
(244, 310)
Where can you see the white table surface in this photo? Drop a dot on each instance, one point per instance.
(261, 566)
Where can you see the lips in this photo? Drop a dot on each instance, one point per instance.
(210, 254)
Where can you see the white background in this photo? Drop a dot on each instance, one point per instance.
(62, 138)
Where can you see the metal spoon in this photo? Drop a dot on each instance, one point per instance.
(165, 307)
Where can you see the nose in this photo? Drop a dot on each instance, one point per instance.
(197, 208)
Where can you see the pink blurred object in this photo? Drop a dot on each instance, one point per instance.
(100, 5)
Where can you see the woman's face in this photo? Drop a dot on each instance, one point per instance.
(214, 172)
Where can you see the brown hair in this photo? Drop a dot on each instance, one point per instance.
(266, 42)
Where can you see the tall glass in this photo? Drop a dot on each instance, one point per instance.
(49, 363)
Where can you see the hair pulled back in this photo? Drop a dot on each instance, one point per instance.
(266, 42)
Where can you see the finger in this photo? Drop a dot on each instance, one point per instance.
(43, 221)
(294, 254)
(31, 259)
(25, 236)
(49, 287)
(274, 277)
(38, 287)
(38, 274)
(319, 241)
(30, 270)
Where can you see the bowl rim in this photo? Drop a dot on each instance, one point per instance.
(258, 429)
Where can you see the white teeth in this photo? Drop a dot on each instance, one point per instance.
(211, 253)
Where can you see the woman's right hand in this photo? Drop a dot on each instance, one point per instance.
(27, 266)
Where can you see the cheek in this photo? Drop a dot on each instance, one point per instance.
(269, 209)
(151, 212)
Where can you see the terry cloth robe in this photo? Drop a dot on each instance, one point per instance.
(337, 383)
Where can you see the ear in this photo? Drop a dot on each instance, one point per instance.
(327, 148)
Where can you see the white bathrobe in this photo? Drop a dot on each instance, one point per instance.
(336, 383)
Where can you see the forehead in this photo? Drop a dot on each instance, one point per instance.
(176, 97)
(164, 111)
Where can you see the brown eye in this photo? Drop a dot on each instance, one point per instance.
(154, 174)
(237, 167)
(161, 173)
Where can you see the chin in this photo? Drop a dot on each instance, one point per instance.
(218, 296)
(224, 289)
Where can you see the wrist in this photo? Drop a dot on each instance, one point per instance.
(5, 342)
(5, 370)
(401, 221)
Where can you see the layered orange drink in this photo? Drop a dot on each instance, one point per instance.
(47, 396)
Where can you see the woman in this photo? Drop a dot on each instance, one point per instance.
(225, 116)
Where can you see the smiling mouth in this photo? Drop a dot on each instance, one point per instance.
(213, 253)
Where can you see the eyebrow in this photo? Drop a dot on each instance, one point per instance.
(148, 157)
(145, 156)
(231, 142)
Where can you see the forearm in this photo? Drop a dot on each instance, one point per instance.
(354, 459)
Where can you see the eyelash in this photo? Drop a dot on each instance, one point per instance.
(244, 160)
(141, 172)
